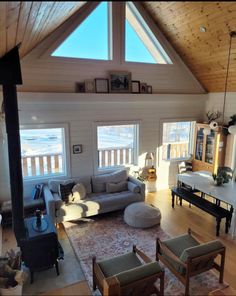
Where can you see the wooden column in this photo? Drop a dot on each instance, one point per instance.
(10, 76)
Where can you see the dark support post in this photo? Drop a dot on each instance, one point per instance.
(10, 76)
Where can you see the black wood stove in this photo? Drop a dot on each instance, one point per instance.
(40, 246)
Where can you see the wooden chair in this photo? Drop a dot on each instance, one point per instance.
(130, 274)
(186, 257)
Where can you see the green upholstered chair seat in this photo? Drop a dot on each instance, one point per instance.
(128, 268)
(118, 264)
(185, 246)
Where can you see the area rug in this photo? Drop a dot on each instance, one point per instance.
(108, 235)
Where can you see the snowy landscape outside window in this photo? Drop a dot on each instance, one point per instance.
(177, 140)
(43, 152)
(117, 145)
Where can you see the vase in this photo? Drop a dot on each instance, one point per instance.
(17, 291)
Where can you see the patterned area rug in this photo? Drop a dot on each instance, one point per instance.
(108, 235)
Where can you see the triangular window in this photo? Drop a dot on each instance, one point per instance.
(140, 43)
(91, 39)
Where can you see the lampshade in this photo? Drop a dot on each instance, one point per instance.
(149, 155)
(232, 129)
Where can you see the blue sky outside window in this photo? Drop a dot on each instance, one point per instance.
(135, 50)
(90, 39)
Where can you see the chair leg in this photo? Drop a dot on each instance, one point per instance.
(187, 287)
(94, 280)
(162, 283)
(222, 265)
(173, 199)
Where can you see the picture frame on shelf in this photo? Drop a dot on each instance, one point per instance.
(120, 82)
(77, 149)
(80, 87)
(101, 85)
(149, 89)
(143, 88)
(89, 86)
(135, 86)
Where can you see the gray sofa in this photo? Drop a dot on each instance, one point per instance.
(97, 199)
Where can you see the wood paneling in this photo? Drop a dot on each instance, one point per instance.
(30, 22)
(204, 53)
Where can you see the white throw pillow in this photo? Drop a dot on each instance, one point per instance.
(79, 192)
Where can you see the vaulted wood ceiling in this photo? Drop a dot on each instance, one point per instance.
(204, 53)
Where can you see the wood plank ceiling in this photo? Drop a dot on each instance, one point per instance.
(204, 53)
(29, 22)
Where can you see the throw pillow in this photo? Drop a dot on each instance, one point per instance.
(65, 191)
(116, 187)
(79, 192)
(133, 187)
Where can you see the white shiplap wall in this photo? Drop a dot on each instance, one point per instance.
(80, 111)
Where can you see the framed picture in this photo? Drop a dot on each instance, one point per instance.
(120, 82)
(135, 86)
(101, 85)
(143, 88)
(77, 149)
(80, 87)
(89, 86)
(149, 89)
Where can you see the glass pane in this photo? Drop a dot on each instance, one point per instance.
(42, 151)
(141, 45)
(90, 40)
(116, 145)
(175, 141)
(210, 142)
(199, 144)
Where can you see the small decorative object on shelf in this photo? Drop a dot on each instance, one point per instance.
(89, 86)
(212, 116)
(120, 82)
(143, 88)
(80, 87)
(149, 89)
(135, 86)
(101, 85)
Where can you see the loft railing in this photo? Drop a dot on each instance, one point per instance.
(40, 165)
(115, 156)
(175, 150)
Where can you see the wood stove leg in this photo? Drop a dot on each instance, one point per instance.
(31, 276)
(57, 268)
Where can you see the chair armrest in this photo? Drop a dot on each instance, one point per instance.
(138, 183)
(138, 273)
(50, 203)
(142, 255)
(210, 248)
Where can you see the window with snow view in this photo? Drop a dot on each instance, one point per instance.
(177, 140)
(43, 152)
(116, 145)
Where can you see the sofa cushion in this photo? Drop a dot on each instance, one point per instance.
(65, 191)
(79, 193)
(54, 184)
(99, 181)
(86, 180)
(116, 187)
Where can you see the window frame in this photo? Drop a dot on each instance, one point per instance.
(96, 124)
(66, 149)
(191, 139)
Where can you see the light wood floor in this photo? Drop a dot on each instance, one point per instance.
(174, 222)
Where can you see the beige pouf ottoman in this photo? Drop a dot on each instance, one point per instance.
(142, 215)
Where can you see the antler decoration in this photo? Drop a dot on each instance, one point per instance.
(212, 116)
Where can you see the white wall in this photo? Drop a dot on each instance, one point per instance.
(81, 110)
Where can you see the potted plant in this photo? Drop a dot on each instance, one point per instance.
(11, 275)
(221, 177)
